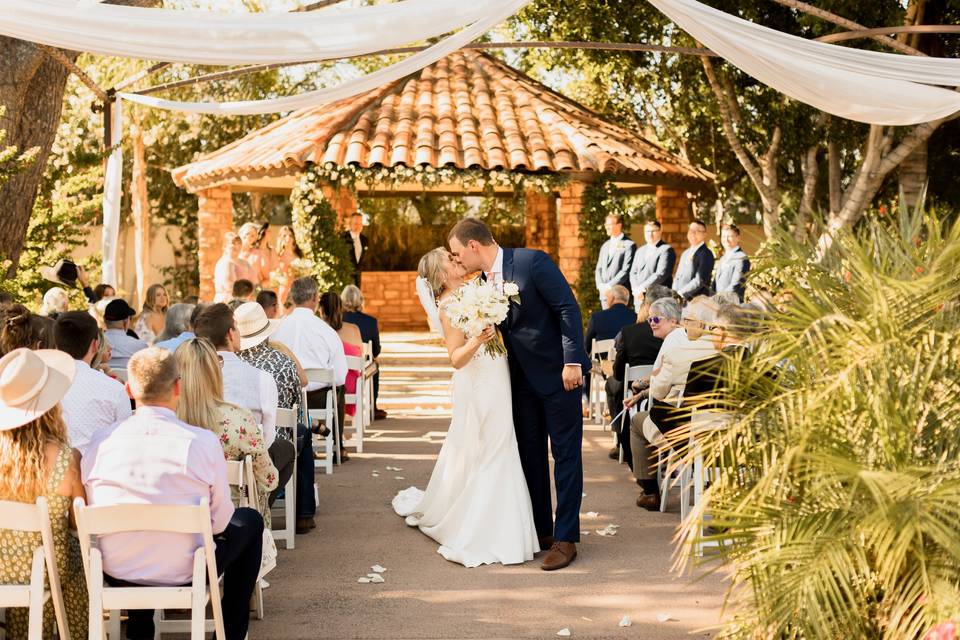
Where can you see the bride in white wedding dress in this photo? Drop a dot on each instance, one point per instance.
(476, 504)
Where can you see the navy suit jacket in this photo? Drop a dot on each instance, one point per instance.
(545, 331)
(606, 324)
(731, 275)
(695, 273)
(369, 329)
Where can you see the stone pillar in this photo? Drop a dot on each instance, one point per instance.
(215, 217)
(343, 201)
(674, 214)
(572, 250)
(540, 222)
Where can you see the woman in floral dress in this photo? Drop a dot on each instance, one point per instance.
(202, 405)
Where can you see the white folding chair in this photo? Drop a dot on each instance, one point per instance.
(97, 521)
(357, 398)
(370, 369)
(240, 475)
(34, 518)
(327, 415)
(287, 419)
(703, 422)
(630, 375)
(599, 350)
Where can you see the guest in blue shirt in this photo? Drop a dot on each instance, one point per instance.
(607, 323)
(369, 332)
(177, 325)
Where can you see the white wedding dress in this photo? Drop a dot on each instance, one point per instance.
(477, 505)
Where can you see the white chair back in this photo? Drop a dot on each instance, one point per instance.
(100, 520)
(601, 347)
(287, 419)
(35, 518)
(328, 414)
(240, 475)
(358, 399)
(599, 350)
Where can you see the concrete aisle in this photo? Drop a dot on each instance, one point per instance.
(315, 593)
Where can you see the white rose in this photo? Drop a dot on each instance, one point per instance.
(511, 289)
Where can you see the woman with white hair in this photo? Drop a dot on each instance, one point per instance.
(55, 302)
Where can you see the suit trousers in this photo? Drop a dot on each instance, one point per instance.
(238, 550)
(646, 441)
(556, 418)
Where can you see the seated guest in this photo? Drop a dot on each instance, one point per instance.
(22, 329)
(36, 460)
(695, 269)
(607, 323)
(152, 319)
(733, 265)
(331, 309)
(722, 298)
(176, 328)
(635, 345)
(247, 386)
(102, 291)
(55, 302)
(116, 316)
(154, 458)
(202, 405)
(316, 344)
(94, 400)
(242, 290)
(271, 305)
(702, 390)
(352, 299)
(255, 329)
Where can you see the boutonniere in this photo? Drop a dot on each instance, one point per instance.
(512, 291)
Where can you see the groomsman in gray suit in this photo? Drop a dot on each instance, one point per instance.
(694, 275)
(733, 265)
(652, 263)
(616, 256)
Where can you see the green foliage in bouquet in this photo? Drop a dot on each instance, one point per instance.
(837, 500)
(600, 199)
(326, 255)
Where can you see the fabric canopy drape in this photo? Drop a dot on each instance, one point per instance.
(368, 82)
(866, 86)
(204, 37)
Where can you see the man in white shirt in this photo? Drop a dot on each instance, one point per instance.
(245, 385)
(94, 400)
(154, 458)
(316, 345)
(116, 317)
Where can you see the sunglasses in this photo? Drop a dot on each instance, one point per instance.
(655, 320)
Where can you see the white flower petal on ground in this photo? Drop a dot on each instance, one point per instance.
(376, 578)
(363, 580)
(591, 514)
(664, 617)
(398, 478)
(564, 633)
(378, 569)
(625, 621)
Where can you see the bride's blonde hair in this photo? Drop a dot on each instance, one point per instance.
(431, 269)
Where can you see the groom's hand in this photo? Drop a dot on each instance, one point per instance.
(572, 377)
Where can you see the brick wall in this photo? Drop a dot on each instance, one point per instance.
(391, 297)
(674, 214)
(540, 222)
(215, 218)
(572, 248)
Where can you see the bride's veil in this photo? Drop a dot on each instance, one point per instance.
(429, 302)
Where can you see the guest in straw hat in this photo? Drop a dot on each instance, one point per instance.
(36, 460)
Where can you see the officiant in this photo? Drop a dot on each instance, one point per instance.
(357, 243)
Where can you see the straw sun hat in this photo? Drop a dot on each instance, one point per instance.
(253, 324)
(31, 383)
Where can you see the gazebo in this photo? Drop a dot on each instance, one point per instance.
(469, 111)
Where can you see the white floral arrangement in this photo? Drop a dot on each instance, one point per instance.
(478, 305)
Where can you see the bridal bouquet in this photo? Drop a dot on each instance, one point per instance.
(478, 305)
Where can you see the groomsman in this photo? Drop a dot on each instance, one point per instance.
(652, 263)
(616, 256)
(357, 244)
(733, 265)
(696, 264)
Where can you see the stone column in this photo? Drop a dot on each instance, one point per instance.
(343, 201)
(572, 250)
(215, 216)
(674, 214)
(540, 222)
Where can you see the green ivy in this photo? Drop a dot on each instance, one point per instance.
(326, 255)
(600, 199)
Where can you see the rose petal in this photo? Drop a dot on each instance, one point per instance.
(664, 617)
(591, 514)
(376, 578)
(625, 621)
(363, 580)
(377, 568)
(564, 633)
(398, 478)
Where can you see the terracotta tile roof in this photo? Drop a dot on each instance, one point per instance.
(467, 110)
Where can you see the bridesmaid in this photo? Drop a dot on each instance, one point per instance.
(229, 268)
(286, 252)
(255, 254)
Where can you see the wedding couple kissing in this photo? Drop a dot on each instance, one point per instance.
(488, 499)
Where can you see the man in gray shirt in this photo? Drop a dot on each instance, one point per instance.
(116, 317)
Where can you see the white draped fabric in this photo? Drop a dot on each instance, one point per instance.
(112, 193)
(368, 82)
(867, 86)
(204, 37)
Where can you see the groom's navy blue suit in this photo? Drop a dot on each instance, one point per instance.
(542, 334)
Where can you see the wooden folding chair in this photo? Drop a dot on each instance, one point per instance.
(98, 520)
(287, 419)
(34, 518)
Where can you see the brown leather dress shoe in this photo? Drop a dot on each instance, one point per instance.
(379, 414)
(561, 554)
(614, 454)
(304, 525)
(649, 501)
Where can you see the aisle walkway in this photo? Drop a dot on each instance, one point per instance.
(315, 593)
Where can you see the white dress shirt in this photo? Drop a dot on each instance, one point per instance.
(357, 245)
(495, 275)
(93, 401)
(154, 458)
(122, 347)
(246, 386)
(314, 342)
(673, 361)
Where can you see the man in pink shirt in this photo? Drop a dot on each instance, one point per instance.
(154, 458)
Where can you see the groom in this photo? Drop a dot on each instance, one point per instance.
(544, 340)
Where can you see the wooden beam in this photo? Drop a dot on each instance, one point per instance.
(869, 33)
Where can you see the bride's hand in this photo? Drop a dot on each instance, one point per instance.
(487, 335)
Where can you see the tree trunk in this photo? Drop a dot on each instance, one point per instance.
(913, 176)
(834, 175)
(811, 171)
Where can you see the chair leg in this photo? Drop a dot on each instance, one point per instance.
(35, 619)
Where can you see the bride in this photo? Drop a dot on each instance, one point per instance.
(476, 505)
